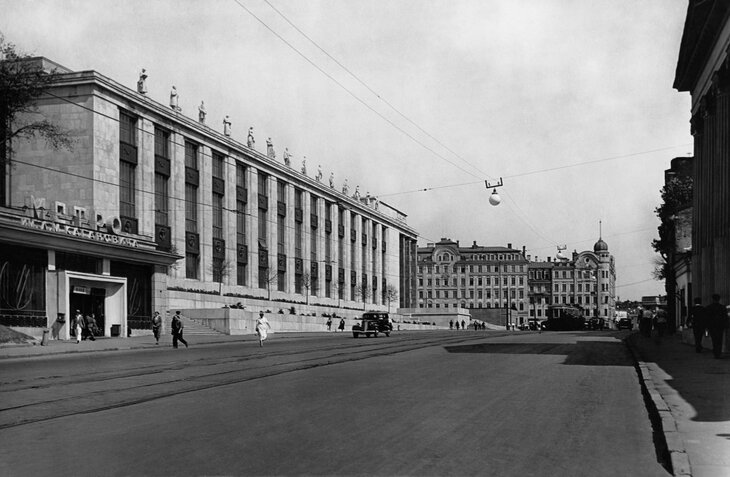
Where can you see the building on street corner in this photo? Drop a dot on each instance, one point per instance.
(154, 210)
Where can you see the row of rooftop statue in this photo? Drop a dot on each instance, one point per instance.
(251, 143)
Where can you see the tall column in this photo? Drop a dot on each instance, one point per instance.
(177, 200)
(205, 213)
(357, 227)
(146, 177)
(271, 243)
(290, 237)
(253, 249)
(377, 263)
(230, 222)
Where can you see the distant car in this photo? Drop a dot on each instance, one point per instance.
(373, 323)
(624, 324)
(595, 324)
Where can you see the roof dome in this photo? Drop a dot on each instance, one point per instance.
(600, 246)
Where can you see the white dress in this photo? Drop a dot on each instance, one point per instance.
(262, 327)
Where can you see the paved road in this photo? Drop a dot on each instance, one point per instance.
(420, 403)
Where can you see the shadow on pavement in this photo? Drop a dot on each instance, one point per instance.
(582, 353)
(698, 378)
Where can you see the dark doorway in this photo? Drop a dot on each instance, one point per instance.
(89, 301)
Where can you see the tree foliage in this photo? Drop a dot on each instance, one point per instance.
(676, 194)
(22, 83)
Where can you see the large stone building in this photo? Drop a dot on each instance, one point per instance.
(153, 210)
(488, 280)
(703, 70)
(587, 280)
(475, 277)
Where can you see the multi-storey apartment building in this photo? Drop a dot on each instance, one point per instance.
(475, 277)
(540, 287)
(152, 210)
(587, 280)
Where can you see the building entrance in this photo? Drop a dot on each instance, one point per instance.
(90, 302)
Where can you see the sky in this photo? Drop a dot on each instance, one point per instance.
(569, 102)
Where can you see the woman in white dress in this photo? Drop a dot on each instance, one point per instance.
(262, 327)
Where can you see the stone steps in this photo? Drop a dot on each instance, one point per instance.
(191, 328)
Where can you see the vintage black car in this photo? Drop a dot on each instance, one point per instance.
(373, 323)
(624, 323)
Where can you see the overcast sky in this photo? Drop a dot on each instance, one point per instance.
(570, 102)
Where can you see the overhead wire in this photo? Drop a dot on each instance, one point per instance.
(371, 90)
(351, 93)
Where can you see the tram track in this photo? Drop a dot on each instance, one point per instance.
(28, 402)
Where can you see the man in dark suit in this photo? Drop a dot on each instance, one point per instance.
(716, 315)
(698, 322)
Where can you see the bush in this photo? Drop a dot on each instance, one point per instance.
(292, 311)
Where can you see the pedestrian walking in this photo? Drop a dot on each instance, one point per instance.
(457, 325)
(645, 322)
(177, 330)
(90, 327)
(716, 315)
(342, 324)
(262, 328)
(78, 325)
(661, 320)
(463, 325)
(451, 324)
(329, 324)
(156, 326)
(698, 323)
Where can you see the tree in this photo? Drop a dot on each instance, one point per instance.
(220, 270)
(22, 84)
(307, 283)
(676, 194)
(391, 294)
(363, 291)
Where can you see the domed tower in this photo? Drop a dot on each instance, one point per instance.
(605, 280)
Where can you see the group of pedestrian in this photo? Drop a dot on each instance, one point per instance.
(653, 319)
(85, 327)
(453, 323)
(340, 327)
(712, 319)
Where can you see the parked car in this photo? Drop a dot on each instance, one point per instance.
(373, 323)
(625, 324)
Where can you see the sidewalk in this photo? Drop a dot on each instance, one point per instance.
(691, 394)
(101, 344)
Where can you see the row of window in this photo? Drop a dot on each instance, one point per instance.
(308, 279)
(447, 257)
(436, 269)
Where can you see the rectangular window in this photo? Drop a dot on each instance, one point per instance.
(217, 216)
(191, 155)
(217, 270)
(218, 165)
(192, 262)
(191, 208)
(127, 129)
(242, 264)
(162, 199)
(162, 143)
(127, 164)
(127, 186)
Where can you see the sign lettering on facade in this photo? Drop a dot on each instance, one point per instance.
(78, 232)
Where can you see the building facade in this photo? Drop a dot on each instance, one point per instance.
(171, 213)
(703, 70)
(475, 277)
(587, 280)
(540, 287)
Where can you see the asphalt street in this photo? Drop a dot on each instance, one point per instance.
(416, 403)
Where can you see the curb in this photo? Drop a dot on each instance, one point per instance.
(666, 423)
